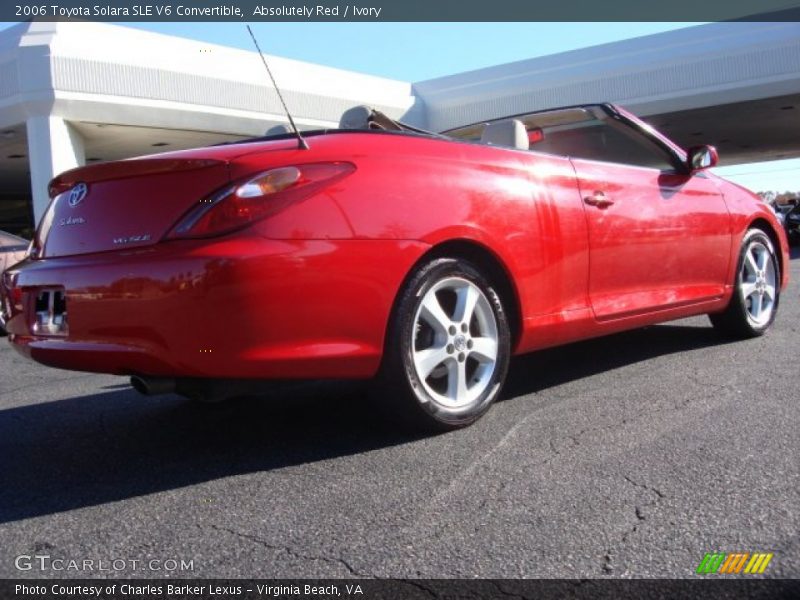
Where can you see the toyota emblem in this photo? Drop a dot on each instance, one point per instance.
(77, 194)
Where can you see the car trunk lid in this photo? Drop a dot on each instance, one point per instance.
(124, 204)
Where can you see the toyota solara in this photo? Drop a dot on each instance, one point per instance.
(423, 261)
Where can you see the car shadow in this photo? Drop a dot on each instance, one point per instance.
(539, 371)
(89, 450)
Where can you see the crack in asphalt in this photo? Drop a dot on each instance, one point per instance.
(608, 562)
(294, 553)
(656, 491)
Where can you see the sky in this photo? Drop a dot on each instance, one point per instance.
(411, 51)
(419, 51)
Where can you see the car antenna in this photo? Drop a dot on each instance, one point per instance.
(301, 142)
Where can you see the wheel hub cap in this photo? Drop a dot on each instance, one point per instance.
(460, 343)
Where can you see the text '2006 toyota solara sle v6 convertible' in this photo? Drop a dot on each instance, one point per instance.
(424, 261)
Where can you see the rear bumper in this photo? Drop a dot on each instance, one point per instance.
(245, 307)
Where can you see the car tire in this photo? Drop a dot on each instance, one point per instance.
(754, 303)
(448, 347)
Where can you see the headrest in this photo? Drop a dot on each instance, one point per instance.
(510, 133)
(278, 130)
(357, 117)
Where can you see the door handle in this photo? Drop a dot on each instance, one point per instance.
(598, 199)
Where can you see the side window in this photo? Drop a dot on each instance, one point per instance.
(598, 137)
(605, 141)
(585, 132)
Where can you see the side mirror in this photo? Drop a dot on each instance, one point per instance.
(702, 157)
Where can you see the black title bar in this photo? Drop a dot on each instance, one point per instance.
(391, 589)
(401, 10)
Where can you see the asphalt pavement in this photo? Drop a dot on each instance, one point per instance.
(628, 456)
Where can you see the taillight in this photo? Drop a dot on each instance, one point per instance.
(256, 198)
(271, 182)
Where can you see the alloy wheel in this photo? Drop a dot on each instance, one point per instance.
(758, 281)
(455, 346)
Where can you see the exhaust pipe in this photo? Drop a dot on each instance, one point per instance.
(153, 386)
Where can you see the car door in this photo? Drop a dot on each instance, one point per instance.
(656, 240)
(659, 237)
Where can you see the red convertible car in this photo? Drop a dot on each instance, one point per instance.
(376, 250)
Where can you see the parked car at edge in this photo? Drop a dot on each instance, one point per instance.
(12, 250)
(422, 260)
(791, 222)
